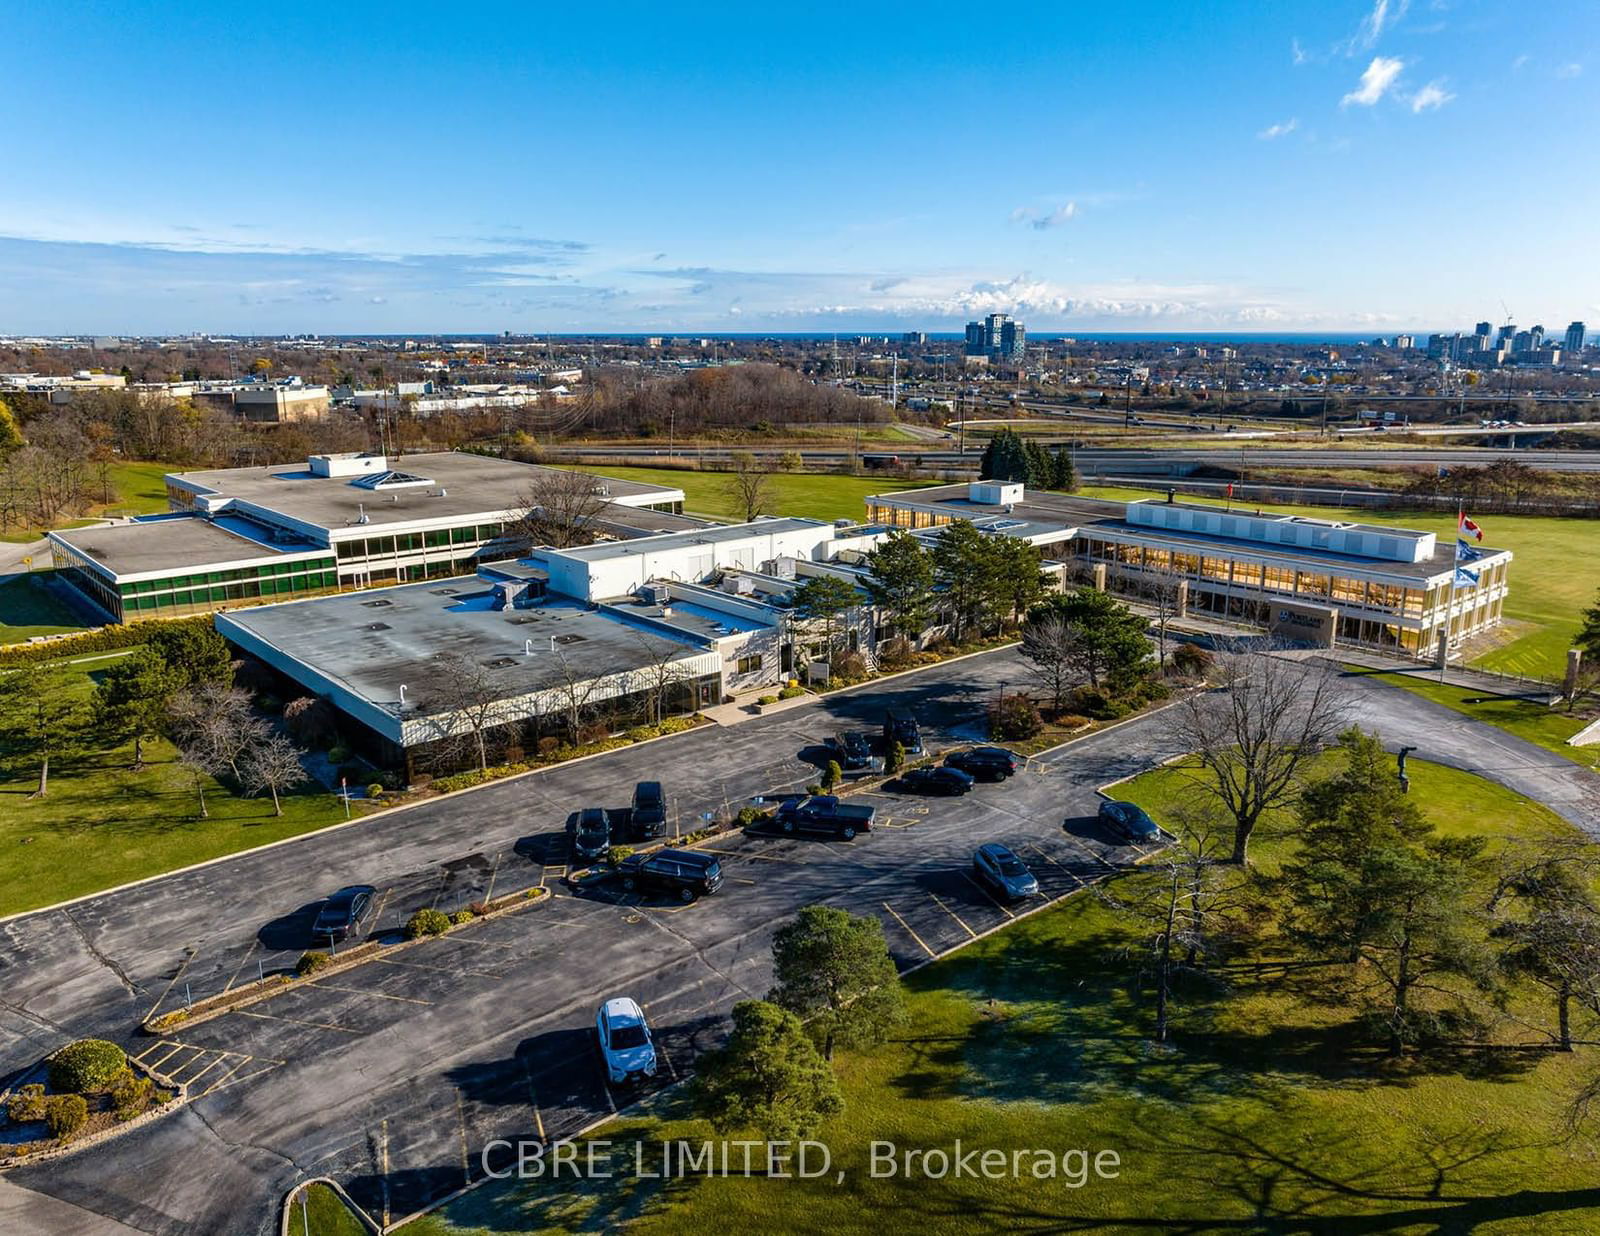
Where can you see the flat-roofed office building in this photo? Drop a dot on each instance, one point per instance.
(1374, 585)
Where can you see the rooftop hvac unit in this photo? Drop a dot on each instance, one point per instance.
(738, 585)
(655, 594)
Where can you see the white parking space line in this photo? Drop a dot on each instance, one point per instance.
(237, 970)
(998, 904)
(294, 1021)
(380, 995)
(417, 965)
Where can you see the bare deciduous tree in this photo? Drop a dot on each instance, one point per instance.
(660, 674)
(750, 485)
(273, 765)
(574, 690)
(463, 702)
(559, 509)
(1256, 732)
(216, 724)
(1048, 646)
(1162, 593)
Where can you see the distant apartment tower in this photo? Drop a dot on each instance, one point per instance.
(997, 335)
(918, 337)
(1481, 337)
(1507, 333)
(1405, 342)
(1573, 342)
(1536, 337)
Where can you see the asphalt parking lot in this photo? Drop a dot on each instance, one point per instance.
(390, 1077)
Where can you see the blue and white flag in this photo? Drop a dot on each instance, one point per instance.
(1467, 552)
(1466, 578)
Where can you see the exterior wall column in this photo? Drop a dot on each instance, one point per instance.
(1183, 598)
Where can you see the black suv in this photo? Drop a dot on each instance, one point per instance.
(649, 811)
(851, 749)
(985, 763)
(901, 727)
(686, 873)
(590, 833)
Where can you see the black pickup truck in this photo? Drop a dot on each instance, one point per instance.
(824, 813)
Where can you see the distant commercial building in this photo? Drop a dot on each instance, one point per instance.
(1481, 337)
(277, 404)
(60, 390)
(1405, 342)
(918, 337)
(1573, 341)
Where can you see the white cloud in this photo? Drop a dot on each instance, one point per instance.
(1279, 130)
(1042, 220)
(1431, 96)
(1297, 54)
(1520, 62)
(1376, 81)
(1383, 15)
(1569, 70)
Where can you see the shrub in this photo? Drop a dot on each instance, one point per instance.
(593, 733)
(311, 962)
(1072, 721)
(130, 1094)
(254, 676)
(894, 758)
(479, 908)
(813, 790)
(427, 922)
(312, 722)
(547, 746)
(896, 653)
(421, 781)
(338, 754)
(514, 754)
(832, 775)
(1191, 660)
(851, 666)
(793, 691)
(65, 1114)
(1014, 717)
(88, 1064)
(461, 916)
(767, 699)
(617, 853)
(1153, 690)
(269, 703)
(375, 790)
(103, 639)
(1093, 702)
(750, 815)
(26, 1104)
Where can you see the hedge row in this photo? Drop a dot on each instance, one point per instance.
(101, 639)
(478, 776)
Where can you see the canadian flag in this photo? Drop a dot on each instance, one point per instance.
(1468, 526)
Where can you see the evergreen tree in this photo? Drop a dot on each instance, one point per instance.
(40, 717)
(1019, 582)
(1005, 458)
(963, 567)
(1064, 474)
(767, 1077)
(1041, 469)
(901, 582)
(1588, 637)
(193, 651)
(1106, 641)
(824, 598)
(834, 971)
(132, 699)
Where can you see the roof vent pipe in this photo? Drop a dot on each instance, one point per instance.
(402, 695)
(527, 647)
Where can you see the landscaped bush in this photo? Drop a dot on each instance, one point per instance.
(427, 922)
(1191, 660)
(617, 853)
(461, 916)
(765, 700)
(312, 722)
(832, 775)
(421, 781)
(269, 703)
(26, 1104)
(792, 691)
(514, 754)
(311, 962)
(375, 790)
(338, 755)
(88, 1064)
(894, 758)
(1013, 718)
(65, 1114)
(848, 667)
(750, 815)
(547, 746)
(1152, 691)
(594, 733)
(896, 653)
(1072, 721)
(130, 1094)
(813, 790)
(105, 639)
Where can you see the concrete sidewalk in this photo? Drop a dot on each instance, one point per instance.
(1465, 677)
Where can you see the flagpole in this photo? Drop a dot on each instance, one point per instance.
(1450, 605)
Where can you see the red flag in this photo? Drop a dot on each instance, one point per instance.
(1230, 489)
(1468, 526)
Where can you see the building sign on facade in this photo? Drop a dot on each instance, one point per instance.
(1304, 624)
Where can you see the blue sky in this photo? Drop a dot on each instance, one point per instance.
(538, 167)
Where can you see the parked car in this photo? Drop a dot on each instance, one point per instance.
(940, 780)
(649, 819)
(1003, 873)
(590, 831)
(625, 1043)
(343, 912)
(985, 763)
(901, 727)
(1129, 819)
(685, 873)
(851, 749)
(825, 813)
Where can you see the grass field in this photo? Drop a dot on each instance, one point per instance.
(818, 495)
(101, 824)
(323, 1214)
(137, 489)
(1526, 719)
(27, 609)
(1554, 574)
(1261, 1116)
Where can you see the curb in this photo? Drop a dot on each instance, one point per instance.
(277, 984)
(179, 1099)
(361, 1216)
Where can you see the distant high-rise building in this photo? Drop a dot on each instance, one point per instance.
(1536, 335)
(1507, 333)
(1574, 338)
(997, 335)
(1481, 337)
(1405, 342)
(914, 336)
(1522, 341)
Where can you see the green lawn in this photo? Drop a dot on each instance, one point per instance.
(324, 1214)
(1554, 575)
(137, 489)
(101, 824)
(1262, 1116)
(1528, 720)
(818, 495)
(27, 609)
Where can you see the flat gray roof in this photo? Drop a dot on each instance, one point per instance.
(472, 485)
(1036, 505)
(174, 543)
(709, 534)
(373, 642)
